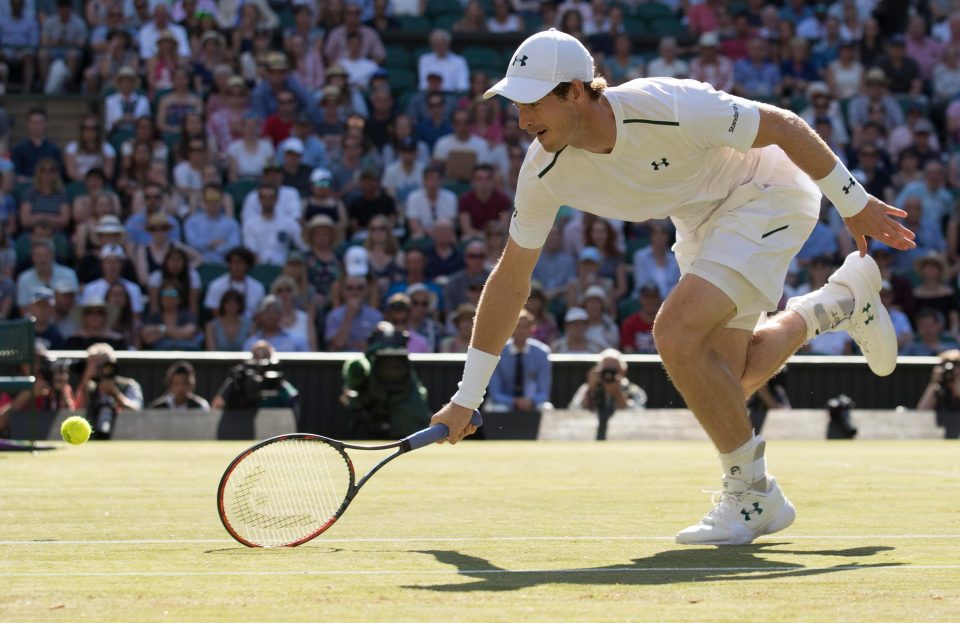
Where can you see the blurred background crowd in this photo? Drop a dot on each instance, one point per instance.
(296, 172)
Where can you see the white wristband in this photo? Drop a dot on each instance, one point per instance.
(476, 376)
(846, 193)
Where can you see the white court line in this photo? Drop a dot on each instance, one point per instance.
(472, 572)
(321, 540)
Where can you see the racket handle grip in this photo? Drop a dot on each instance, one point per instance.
(435, 433)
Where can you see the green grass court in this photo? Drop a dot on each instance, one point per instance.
(128, 531)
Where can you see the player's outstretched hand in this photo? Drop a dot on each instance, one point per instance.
(457, 419)
(876, 220)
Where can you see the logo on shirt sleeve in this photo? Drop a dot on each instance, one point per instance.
(736, 117)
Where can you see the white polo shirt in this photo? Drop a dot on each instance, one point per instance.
(682, 149)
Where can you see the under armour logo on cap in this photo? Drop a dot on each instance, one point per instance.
(521, 59)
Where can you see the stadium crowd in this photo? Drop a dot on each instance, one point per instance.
(262, 170)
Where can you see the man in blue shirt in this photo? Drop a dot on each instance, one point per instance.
(211, 232)
(756, 76)
(269, 314)
(937, 200)
(154, 198)
(19, 40)
(35, 147)
(555, 268)
(521, 381)
(263, 99)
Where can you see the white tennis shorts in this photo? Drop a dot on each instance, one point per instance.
(745, 247)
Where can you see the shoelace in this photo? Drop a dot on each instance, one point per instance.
(724, 502)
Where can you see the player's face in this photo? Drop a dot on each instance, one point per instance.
(551, 120)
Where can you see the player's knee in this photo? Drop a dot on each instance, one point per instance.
(676, 342)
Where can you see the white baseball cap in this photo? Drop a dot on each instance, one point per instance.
(356, 262)
(543, 61)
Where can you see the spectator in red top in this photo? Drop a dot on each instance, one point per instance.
(703, 17)
(482, 203)
(636, 333)
(278, 125)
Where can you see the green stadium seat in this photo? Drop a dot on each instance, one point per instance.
(265, 274)
(478, 57)
(398, 56)
(457, 188)
(446, 20)
(402, 80)
(209, 271)
(669, 26)
(239, 191)
(414, 23)
(651, 11)
(634, 245)
(20, 191)
(440, 7)
(75, 189)
(635, 26)
(626, 307)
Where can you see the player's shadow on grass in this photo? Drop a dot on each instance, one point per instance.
(668, 567)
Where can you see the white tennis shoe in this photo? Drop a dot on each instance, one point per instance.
(740, 515)
(870, 325)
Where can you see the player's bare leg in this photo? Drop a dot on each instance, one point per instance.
(708, 362)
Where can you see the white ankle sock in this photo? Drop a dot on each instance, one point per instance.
(823, 310)
(747, 465)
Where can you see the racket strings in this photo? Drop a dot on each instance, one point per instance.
(286, 491)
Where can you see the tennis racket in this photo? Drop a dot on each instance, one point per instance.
(288, 489)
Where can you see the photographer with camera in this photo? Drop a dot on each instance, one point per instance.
(258, 383)
(942, 394)
(381, 388)
(608, 390)
(102, 393)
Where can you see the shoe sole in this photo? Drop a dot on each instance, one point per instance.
(869, 271)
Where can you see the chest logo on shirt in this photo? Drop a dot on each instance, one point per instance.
(520, 59)
(656, 165)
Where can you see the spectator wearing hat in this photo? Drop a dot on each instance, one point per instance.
(600, 326)
(636, 332)
(398, 314)
(370, 202)
(331, 122)
(94, 327)
(265, 96)
(41, 310)
(62, 38)
(148, 257)
(239, 262)
(270, 330)
(64, 307)
(20, 35)
(108, 231)
(710, 66)
(930, 339)
(180, 381)
(348, 326)
(574, 340)
(45, 272)
(351, 101)
(430, 203)
(161, 23)
(874, 93)
(323, 265)
(270, 234)
(933, 290)
(404, 175)
(337, 43)
(322, 200)
(588, 267)
(210, 231)
(474, 273)
(124, 106)
(295, 173)
(112, 259)
(289, 203)
(314, 150)
(228, 13)
(441, 60)
(154, 200)
(462, 321)
(523, 377)
(226, 123)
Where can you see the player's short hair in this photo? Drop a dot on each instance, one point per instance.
(594, 88)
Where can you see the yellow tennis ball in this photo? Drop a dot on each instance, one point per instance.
(75, 430)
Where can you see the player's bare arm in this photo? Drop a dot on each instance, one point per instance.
(504, 295)
(808, 151)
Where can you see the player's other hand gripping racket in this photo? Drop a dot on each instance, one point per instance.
(288, 489)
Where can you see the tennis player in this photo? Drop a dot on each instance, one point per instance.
(742, 182)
